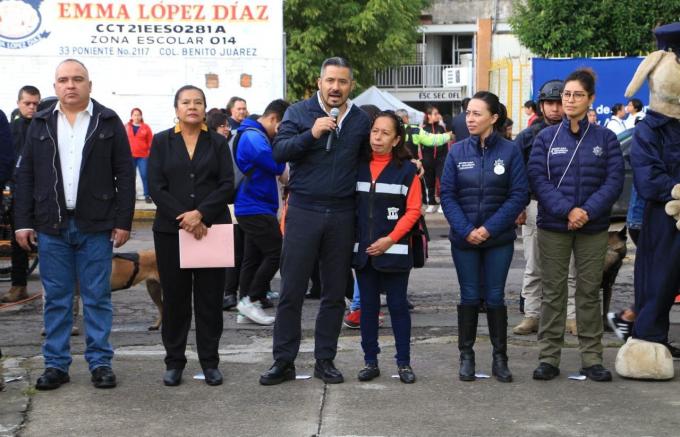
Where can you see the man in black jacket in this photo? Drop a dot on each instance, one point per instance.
(323, 153)
(76, 190)
(27, 104)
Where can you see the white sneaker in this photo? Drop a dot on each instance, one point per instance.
(254, 311)
(431, 208)
(243, 320)
(440, 210)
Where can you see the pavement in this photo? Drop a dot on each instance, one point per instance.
(437, 404)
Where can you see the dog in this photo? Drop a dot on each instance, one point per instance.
(616, 252)
(129, 269)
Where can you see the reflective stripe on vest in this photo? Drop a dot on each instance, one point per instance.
(383, 188)
(396, 249)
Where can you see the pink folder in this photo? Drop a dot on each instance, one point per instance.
(216, 249)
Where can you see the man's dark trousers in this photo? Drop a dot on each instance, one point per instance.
(261, 254)
(312, 235)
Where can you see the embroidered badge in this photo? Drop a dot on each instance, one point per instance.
(466, 165)
(392, 213)
(499, 167)
(597, 151)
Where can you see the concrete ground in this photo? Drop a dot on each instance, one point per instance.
(437, 404)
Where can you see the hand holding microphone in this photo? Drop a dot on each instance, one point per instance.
(334, 115)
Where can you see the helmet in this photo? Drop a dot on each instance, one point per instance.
(551, 90)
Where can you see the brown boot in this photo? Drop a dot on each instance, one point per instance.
(15, 294)
(570, 327)
(527, 326)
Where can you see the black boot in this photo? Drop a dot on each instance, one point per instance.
(497, 317)
(467, 333)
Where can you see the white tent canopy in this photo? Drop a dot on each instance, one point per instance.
(385, 101)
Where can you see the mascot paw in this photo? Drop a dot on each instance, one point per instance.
(675, 192)
(640, 359)
(673, 210)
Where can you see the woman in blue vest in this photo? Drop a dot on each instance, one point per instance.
(484, 189)
(388, 205)
(576, 172)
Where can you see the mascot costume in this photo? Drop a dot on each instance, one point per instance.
(655, 158)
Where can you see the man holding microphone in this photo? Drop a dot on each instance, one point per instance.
(322, 138)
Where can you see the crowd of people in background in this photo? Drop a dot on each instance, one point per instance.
(318, 186)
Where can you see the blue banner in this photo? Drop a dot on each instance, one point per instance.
(612, 78)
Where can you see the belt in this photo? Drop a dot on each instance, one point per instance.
(70, 212)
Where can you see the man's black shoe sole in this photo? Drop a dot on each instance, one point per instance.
(288, 376)
(336, 380)
(103, 384)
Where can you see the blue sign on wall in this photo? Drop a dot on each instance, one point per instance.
(612, 78)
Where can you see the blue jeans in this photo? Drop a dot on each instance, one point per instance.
(63, 259)
(140, 163)
(493, 263)
(371, 282)
(356, 297)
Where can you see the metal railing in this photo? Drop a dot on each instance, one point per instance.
(412, 76)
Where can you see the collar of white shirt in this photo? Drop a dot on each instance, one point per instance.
(323, 108)
(89, 109)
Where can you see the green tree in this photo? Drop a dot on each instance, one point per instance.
(371, 34)
(567, 27)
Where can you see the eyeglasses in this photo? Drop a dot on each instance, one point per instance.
(577, 95)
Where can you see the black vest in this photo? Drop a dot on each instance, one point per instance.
(380, 205)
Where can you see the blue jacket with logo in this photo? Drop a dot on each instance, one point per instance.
(655, 156)
(483, 187)
(257, 193)
(563, 178)
(321, 180)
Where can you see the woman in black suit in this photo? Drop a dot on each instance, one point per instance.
(191, 179)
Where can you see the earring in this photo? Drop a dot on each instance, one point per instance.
(176, 120)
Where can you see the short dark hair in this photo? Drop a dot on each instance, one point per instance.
(530, 104)
(372, 111)
(28, 89)
(216, 119)
(277, 107)
(586, 77)
(616, 107)
(337, 61)
(464, 103)
(187, 88)
(232, 102)
(637, 104)
(494, 105)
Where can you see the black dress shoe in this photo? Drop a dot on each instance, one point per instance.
(103, 377)
(369, 372)
(546, 372)
(406, 375)
(229, 302)
(212, 376)
(675, 352)
(172, 377)
(52, 378)
(279, 372)
(597, 373)
(326, 371)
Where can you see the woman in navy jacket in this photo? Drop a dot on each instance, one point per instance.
(484, 189)
(576, 171)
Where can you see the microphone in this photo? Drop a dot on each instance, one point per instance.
(334, 114)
